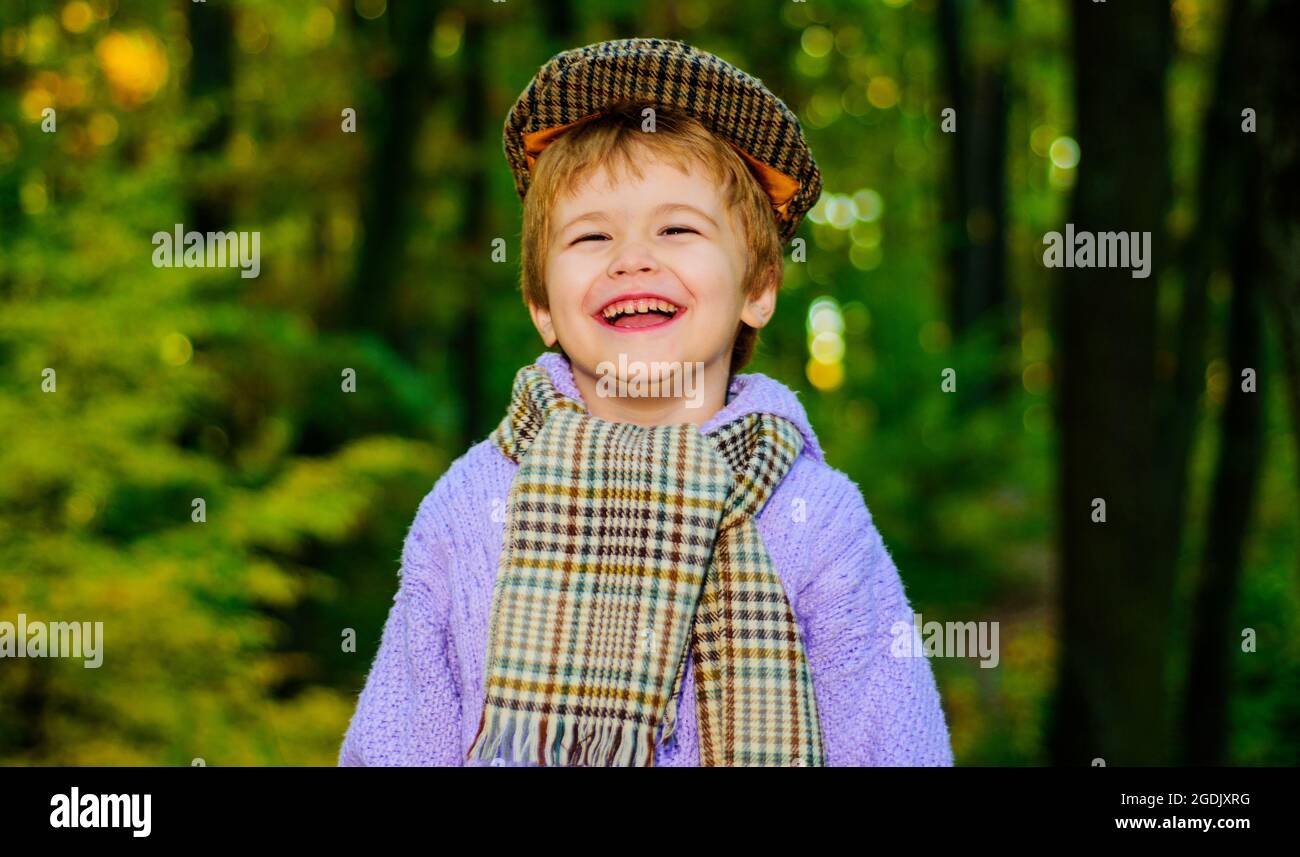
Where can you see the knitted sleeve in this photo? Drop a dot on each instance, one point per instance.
(408, 713)
(875, 708)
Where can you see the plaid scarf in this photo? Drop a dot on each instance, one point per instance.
(626, 546)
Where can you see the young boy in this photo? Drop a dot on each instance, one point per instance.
(662, 573)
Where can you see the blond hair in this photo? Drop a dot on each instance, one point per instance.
(611, 139)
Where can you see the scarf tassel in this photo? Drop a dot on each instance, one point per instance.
(515, 738)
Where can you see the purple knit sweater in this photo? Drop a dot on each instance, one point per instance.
(424, 694)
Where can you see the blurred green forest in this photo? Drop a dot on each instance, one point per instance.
(225, 639)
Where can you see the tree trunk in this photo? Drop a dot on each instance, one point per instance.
(1115, 590)
(394, 127)
(210, 77)
(1226, 233)
(976, 202)
(1277, 62)
(467, 340)
(1205, 710)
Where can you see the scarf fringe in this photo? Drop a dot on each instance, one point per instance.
(514, 737)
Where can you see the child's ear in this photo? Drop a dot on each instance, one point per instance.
(760, 307)
(542, 321)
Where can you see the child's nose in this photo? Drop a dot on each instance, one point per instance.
(631, 258)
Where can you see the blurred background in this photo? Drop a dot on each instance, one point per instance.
(225, 640)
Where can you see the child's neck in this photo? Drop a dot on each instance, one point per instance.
(705, 393)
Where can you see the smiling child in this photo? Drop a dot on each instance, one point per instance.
(644, 574)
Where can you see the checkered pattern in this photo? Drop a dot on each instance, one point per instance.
(626, 547)
(733, 105)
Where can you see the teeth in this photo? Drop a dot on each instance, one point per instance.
(640, 305)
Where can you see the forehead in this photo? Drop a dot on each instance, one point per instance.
(660, 182)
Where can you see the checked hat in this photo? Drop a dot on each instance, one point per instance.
(577, 85)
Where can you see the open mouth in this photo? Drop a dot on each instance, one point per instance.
(639, 312)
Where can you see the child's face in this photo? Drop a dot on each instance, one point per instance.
(667, 236)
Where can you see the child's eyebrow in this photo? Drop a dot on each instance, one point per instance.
(659, 209)
(681, 206)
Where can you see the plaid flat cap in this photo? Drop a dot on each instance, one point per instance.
(577, 85)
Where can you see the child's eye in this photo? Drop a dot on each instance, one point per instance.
(680, 229)
(586, 237)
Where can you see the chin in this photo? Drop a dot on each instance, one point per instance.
(679, 355)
